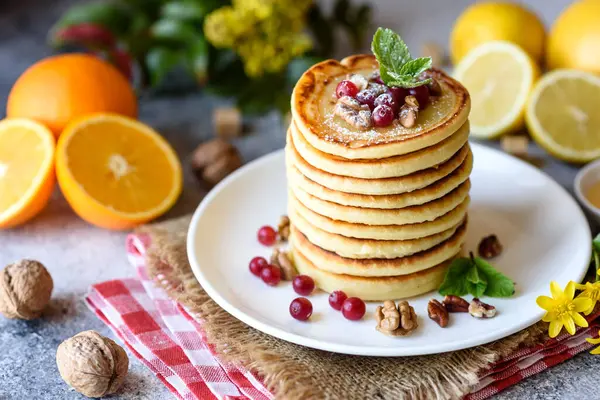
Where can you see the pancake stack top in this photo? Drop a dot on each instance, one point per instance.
(378, 212)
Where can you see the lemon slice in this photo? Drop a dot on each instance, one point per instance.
(499, 76)
(562, 115)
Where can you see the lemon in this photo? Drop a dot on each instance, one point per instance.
(490, 21)
(499, 77)
(562, 115)
(574, 39)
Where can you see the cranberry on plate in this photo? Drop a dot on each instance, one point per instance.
(271, 275)
(257, 264)
(353, 308)
(388, 100)
(301, 309)
(336, 299)
(383, 116)
(267, 235)
(303, 285)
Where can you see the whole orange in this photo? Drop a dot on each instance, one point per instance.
(58, 89)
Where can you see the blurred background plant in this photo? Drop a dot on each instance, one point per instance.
(251, 50)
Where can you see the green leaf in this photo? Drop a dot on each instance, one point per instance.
(406, 83)
(498, 284)
(110, 14)
(415, 67)
(454, 281)
(174, 31)
(389, 49)
(198, 59)
(476, 283)
(183, 11)
(160, 61)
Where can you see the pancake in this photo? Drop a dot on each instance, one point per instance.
(366, 248)
(374, 216)
(420, 196)
(401, 184)
(381, 232)
(384, 167)
(373, 288)
(331, 262)
(313, 101)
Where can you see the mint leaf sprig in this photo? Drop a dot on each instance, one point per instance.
(396, 66)
(475, 276)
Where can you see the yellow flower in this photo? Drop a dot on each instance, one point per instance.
(590, 291)
(562, 309)
(594, 341)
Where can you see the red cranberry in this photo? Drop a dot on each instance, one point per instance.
(271, 275)
(383, 115)
(366, 97)
(257, 264)
(336, 299)
(303, 284)
(376, 77)
(421, 93)
(388, 100)
(301, 308)
(399, 94)
(267, 235)
(353, 308)
(346, 88)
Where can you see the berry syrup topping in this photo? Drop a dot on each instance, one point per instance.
(301, 309)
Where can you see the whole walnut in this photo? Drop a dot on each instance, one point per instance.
(92, 364)
(214, 160)
(25, 289)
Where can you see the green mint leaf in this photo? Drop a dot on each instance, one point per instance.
(455, 282)
(476, 283)
(498, 284)
(396, 66)
(389, 49)
(415, 67)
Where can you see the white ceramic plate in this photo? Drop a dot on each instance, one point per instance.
(545, 236)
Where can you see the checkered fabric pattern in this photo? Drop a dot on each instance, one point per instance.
(164, 336)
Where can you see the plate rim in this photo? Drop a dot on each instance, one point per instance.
(344, 348)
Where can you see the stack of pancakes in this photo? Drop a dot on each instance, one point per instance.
(377, 213)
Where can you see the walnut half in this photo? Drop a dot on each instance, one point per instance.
(396, 321)
(356, 114)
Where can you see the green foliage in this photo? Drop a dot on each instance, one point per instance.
(396, 66)
(475, 276)
(163, 36)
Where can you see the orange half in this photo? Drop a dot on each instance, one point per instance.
(26, 170)
(116, 172)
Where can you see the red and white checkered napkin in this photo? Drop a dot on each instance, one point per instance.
(169, 341)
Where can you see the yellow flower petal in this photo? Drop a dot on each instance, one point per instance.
(545, 302)
(595, 351)
(579, 286)
(582, 303)
(579, 320)
(554, 328)
(570, 290)
(569, 323)
(549, 316)
(593, 341)
(556, 291)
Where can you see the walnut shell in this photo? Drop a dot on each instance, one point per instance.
(25, 289)
(92, 364)
(214, 160)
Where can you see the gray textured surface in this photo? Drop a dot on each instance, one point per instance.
(78, 255)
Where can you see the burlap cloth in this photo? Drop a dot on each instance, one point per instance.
(296, 372)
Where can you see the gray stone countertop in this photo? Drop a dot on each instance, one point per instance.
(76, 253)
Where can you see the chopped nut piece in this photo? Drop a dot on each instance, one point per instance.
(227, 122)
(283, 228)
(395, 321)
(411, 101)
(455, 304)
(280, 259)
(359, 81)
(435, 51)
(354, 113)
(409, 112)
(490, 247)
(479, 309)
(438, 312)
(214, 160)
(434, 88)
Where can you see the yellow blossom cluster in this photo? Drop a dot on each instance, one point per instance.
(266, 34)
(563, 309)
